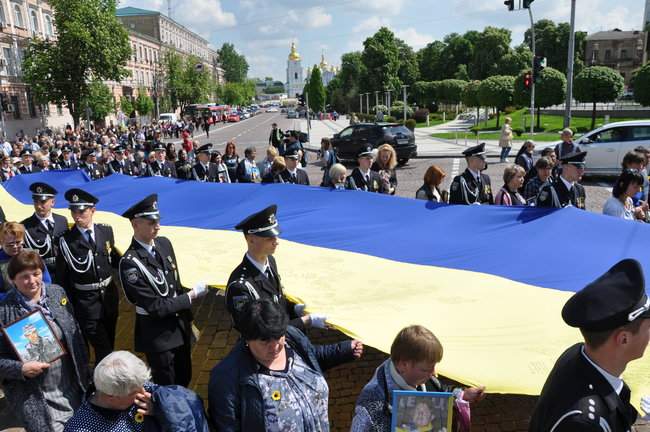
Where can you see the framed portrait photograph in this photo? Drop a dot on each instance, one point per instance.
(415, 411)
(32, 339)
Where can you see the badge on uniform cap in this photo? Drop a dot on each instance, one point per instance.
(75, 198)
(272, 219)
(155, 205)
(39, 189)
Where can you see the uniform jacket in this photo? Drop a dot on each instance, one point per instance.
(154, 169)
(24, 394)
(3, 218)
(35, 169)
(576, 397)
(69, 164)
(94, 171)
(356, 180)
(46, 243)
(88, 304)
(162, 322)
(245, 175)
(115, 167)
(301, 177)
(234, 398)
(247, 283)
(466, 190)
(199, 173)
(555, 194)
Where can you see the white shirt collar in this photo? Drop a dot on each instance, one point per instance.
(474, 173)
(294, 172)
(568, 184)
(148, 247)
(261, 267)
(615, 382)
(43, 220)
(83, 230)
(365, 173)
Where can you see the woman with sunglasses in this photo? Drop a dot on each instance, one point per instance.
(12, 237)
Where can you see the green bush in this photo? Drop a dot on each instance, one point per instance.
(510, 109)
(390, 119)
(410, 123)
(421, 115)
(582, 129)
(518, 131)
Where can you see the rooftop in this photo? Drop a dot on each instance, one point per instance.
(132, 11)
(615, 34)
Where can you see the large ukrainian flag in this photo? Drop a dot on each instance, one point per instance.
(489, 281)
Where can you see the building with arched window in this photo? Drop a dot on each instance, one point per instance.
(295, 79)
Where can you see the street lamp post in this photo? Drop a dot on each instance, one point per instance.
(361, 102)
(532, 87)
(368, 103)
(569, 69)
(376, 99)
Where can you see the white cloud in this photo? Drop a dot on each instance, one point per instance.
(316, 17)
(413, 38)
(387, 7)
(371, 24)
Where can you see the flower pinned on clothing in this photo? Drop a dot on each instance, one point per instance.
(276, 395)
(139, 418)
(64, 301)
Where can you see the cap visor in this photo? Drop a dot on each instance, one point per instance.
(273, 232)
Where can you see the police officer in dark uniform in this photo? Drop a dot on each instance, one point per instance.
(160, 167)
(564, 190)
(121, 165)
(293, 173)
(90, 165)
(28, 166)
(84, 267)
(149, 276)
(363, 177)
(257, 276)
(66, 159)
(584, 391)
(43, 228)
(203, 170)
(472, 186)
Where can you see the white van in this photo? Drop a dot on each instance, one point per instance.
(167, 118)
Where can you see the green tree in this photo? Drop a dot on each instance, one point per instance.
(450, 91)
(234, 65)
(408, 71)
(430, 61)
(470, 97)
(194, 84)
(274, 90)
(316, 91)
(172, 64)
(515, 61)
(335, 97)
(143, 104)
(91, 44)
(381, 59)
(641, 84)
(100, 101)
(497, 91)
(461, 73)
(425, 93)
(552, 42)
(598, 84)
(550, 89)
(490, 49)
(350, 76)
(126, 106)
(459, 50)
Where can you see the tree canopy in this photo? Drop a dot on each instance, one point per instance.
(234, 65)
(598, 84)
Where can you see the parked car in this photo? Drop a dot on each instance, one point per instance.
(607, 145)
(167, 117)
(292, 114)
(233, 117)
(353, 138)
(272, 110)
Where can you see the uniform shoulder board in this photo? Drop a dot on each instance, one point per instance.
(590, 410)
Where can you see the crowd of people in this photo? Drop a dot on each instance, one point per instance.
(273, 378)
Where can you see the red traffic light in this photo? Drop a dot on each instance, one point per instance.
(528, 80)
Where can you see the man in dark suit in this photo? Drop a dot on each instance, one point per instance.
(276, 136)
(160, 167)
(257, 276)
(67, 162)
(28, 166)
(84, 265)
(564, 190)
(203, 170)
(472, 186)
(293, 173)
(362, 177)
(90, 165)
(247, 170)
(120, 165)
(149, 274)
(584, 391)
(43, 228)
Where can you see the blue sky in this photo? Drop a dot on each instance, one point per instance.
(263, 29)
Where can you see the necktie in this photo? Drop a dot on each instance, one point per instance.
(158, 257)
(293, 178)
(268, 273)
(50, 226)
(367, 176)
(91, 240)
(625, 394)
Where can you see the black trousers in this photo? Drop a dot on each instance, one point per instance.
(97, 314)
(171, 367)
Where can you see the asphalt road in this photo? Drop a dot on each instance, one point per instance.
(255, 132)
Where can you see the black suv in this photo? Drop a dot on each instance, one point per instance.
(352, 139)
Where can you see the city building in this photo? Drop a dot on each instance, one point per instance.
(646, 16)
(20, 21)
(623, 51)
(295, 80)
(327, 72)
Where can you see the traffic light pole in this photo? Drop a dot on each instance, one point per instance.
(532, 87)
